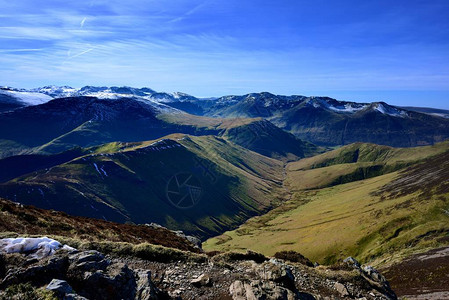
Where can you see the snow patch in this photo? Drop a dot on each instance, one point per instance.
(336, 106)
(104, 172)
(348, 107)
(390, 110)
(56, 91)
(100, 170)
(35, 247)
(27, 98)
(96, 168)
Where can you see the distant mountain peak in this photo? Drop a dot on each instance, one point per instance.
(387, 109)
(335, 105)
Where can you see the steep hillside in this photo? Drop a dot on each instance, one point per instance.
(37, 125)
(355, 162)
(377, 123)
(64, 123)
(202, 185)
(393, 214)
(22, 220)
(256, 134)
(265, 138)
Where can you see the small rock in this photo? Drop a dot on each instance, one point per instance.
(60, 287)
(202, 280)
(341, 289)
(352, 262)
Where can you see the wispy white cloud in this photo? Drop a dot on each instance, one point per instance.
(82, 22)
(18, 50)
(191, 11)
(81, 53)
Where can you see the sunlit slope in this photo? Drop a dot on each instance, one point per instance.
(129, 182)
(371, 219)
(355, 162)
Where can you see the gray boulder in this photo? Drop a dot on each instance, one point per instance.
(59, 287)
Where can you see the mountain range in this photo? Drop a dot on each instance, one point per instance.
(320, 120)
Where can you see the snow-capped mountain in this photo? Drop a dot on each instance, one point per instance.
(112, 93)
(345, 107)
(13, 98)
(386, 109)
(44, 94)
(320, 120)
(56, 91)
(266, 104)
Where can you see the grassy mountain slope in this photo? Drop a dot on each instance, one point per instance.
(129, 183)
(392, 214)
(265, 138)
(256, 134)
(355, 162)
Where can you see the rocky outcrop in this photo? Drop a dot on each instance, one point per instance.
(93, 275)
(372, 276)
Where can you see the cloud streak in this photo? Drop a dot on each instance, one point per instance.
(18, 50)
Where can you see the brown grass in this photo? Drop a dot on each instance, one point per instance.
(29, 220)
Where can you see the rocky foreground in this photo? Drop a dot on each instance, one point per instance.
(73, 274)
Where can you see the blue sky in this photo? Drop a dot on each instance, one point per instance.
(394, 51)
